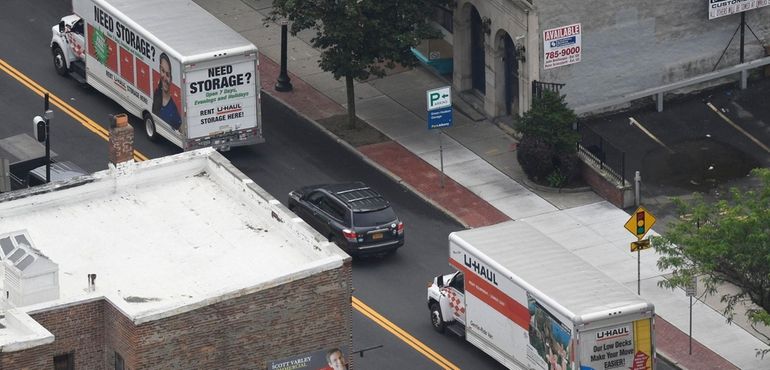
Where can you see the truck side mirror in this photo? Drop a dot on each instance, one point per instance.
(61, 26)
(440, 281)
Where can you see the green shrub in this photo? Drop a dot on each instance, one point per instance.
(547, 151)
(535, 157)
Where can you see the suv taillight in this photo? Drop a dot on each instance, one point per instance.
(400, 228)
(349, 235)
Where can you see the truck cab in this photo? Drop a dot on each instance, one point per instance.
(446, 302)
(68, 47)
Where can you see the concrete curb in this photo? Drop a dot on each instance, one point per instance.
(669, 360)
(548, 189)
(366, 159)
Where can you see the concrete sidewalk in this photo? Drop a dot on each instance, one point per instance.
(484, 183)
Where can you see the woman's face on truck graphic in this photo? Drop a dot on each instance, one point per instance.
(165, 75)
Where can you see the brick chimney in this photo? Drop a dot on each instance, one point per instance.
(121, 139)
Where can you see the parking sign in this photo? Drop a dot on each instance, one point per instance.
(439, 107)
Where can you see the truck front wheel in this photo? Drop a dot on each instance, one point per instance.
(59, 62)
(435, 317)
(149, 127)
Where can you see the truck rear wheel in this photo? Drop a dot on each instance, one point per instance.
(59, 62)
(435, 318)
(149, 127)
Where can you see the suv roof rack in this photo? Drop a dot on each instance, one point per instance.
(362, 198)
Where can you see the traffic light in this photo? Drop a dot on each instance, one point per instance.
(640, 223)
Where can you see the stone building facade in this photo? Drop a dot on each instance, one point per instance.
(627, 46)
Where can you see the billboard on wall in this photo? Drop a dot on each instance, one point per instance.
(721, 8)
(331, 359)
(562, 46)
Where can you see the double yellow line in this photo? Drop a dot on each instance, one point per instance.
(61, 104)
(104, 134)
(404, 336)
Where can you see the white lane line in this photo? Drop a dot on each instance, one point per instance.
(653, 137)
(740, 129)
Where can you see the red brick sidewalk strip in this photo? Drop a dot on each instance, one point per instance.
(302, 97)
(675, 345)
(426, 179)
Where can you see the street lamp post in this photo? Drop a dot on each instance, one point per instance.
(284, 81)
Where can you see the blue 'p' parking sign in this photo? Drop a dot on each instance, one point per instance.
(439, 107)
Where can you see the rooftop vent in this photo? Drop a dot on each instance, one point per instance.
(28, 276)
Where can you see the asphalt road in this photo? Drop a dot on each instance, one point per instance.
(296, 153)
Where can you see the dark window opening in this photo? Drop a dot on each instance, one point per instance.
(119, 363)
(64, 362)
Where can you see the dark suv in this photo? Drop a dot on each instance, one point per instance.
(352, 215)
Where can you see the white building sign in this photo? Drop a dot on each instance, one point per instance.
(721, 8)
(562, 45)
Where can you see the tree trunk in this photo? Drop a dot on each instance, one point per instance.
(351, 102)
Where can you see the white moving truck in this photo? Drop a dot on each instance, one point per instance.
(192, 79)
(531, 304)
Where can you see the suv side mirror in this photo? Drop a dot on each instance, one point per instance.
(61, 26)
(440, 281)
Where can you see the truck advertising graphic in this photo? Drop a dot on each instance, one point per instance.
(189, 77)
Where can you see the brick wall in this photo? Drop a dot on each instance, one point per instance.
(76, 329)
(601, 186)
(119, 336)
(246, 332)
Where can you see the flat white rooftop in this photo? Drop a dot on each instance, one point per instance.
(166, 236)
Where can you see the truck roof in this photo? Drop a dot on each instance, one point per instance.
(530, 257)
(182, 25)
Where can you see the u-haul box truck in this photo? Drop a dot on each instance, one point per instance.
(531, 304)
(192, 79)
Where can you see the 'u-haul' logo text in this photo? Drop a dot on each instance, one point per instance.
(480, 269)
(612, 333)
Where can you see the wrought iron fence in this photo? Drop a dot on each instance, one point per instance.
(538, 87)
(602, 153)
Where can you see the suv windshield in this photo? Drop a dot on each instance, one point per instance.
(374, 218)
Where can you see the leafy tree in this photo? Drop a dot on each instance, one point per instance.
(548, 147)
(725, 241)
(360, 38)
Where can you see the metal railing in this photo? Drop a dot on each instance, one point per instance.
(658, 92)
(608, 158)
(538, 87)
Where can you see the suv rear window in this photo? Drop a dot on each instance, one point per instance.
(374, 218)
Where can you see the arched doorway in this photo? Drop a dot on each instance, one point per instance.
(478, 63)
(511, 75)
